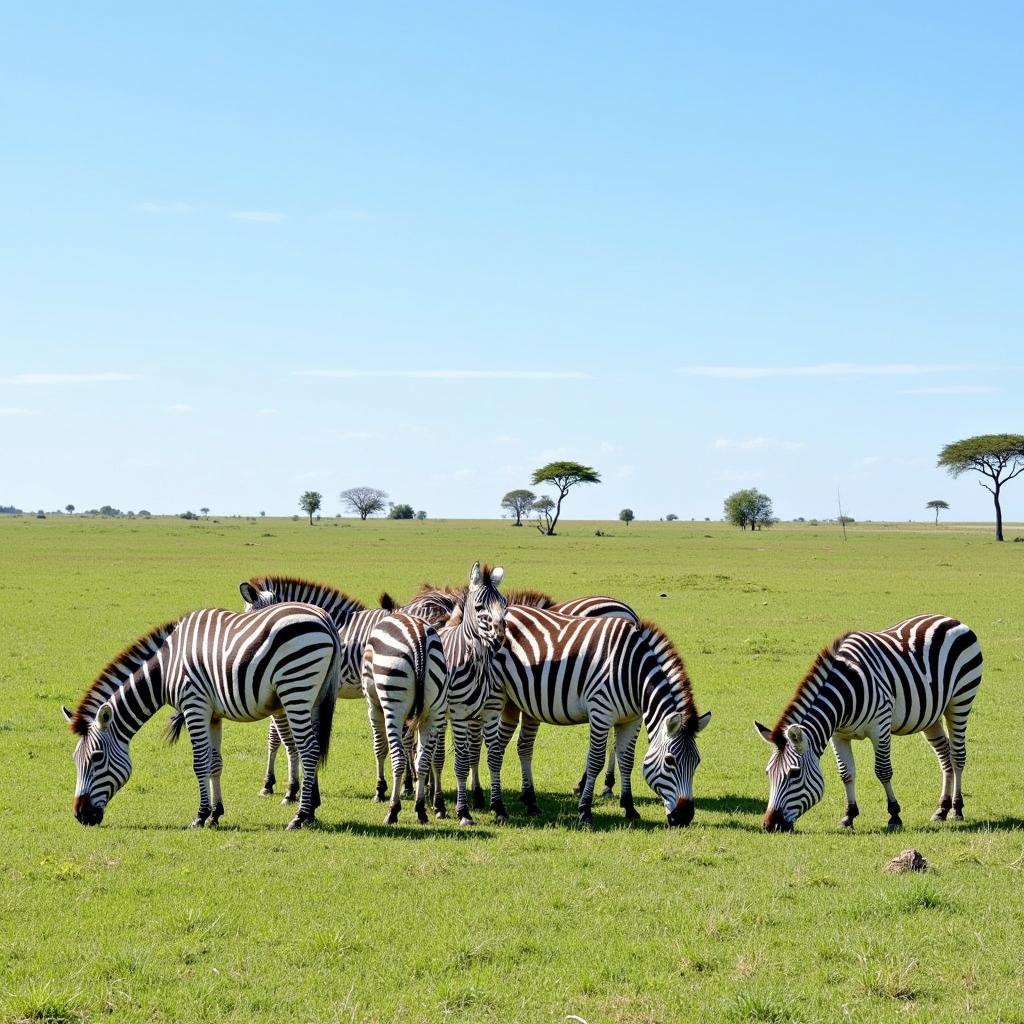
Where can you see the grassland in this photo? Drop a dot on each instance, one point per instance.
(139, 920)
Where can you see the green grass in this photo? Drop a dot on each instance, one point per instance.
(139, 920)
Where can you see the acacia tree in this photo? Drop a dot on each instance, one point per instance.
(563, 476)
(401, 511)
(69, 509)
(1000, 457)
(310, 502)
(749, 507)
(518, 503)
(364, 501)
(626, 516)
(205, 511)
(544, 506)
(938, 504)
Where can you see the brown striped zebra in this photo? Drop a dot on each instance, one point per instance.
(211, 665)
(905, 679)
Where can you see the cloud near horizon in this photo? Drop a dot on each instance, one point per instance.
(822, 370)
(445, 374)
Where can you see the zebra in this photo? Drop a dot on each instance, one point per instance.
(354, 623)
(405, 683)
(210, 665)
(474, 632)
(898, 681)
(566, 671)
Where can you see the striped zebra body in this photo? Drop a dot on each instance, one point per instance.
(405, 683)
(212, 665)
(354, 623)
(603, 671)
(920, 675)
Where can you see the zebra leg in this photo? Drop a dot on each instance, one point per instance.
(524, 746)
(466, 746)
(595, 762)
(958, 749)
(843, 749)
(216, 766)
(300, 722)
(273, 745)
(883, 772)
(380, 747)
(435, 792)
(625, 750)
(609, 776)
(498, 732)
(396, 745)
(479, 796)
(427, 735)
(198, 724)
(936, 736)
(284, 731)
(408, 744)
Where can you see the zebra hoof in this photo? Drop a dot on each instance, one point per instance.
(479, 800)
(632, 814)
(895, 824)
(586, 821)
(607, 793)
(466, 820)
(295, 823)
(286, 800)
(533, 810)
(392, 817)
(267, 791)
(198, 823)
(846, 822)
(957, 815)
(440, 811)
(940, 814)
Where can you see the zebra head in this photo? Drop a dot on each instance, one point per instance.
(255, 598)
(485, 604)
(795, 779)
(671, 761)
(103, 765)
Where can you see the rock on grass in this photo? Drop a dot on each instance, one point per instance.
(908, 860)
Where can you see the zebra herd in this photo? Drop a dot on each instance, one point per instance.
(482, 662)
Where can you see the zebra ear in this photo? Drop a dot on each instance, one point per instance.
(104, 717)
(702, 721)
(67, 714)
(250, 595)
(673, 723)
(796, 735)
(475, 575)
(763, 731)
(497, 575)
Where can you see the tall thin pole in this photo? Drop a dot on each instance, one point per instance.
(842, 518)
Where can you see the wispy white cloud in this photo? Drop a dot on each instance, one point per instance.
(165, 208)
(446, 374)
(822, 370)
(757, 444)
(258, 216)
(955, 389)
(66, 378)
(180, 409)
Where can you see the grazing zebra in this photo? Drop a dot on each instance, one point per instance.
(566, 671)
(474, 633)
(900, 680)
(210, 665)
(404, 679)
(354, 623)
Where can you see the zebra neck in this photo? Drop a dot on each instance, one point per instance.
(141, 697)
(824, 712)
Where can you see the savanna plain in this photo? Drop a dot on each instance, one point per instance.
(142, 920)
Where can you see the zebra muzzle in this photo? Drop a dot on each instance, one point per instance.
(682, 813)
(85, 812)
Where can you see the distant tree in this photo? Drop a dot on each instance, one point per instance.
(749, 507)
(10, 510)
(421, 515)
(205, 511)
(544, 506)
(518, 503)
(262, 515)
(401, 511)
(845, 520)
(563, 476)
(1000, 457)
(671, 517)
(310, 502)
(364, 501)
(144, 513)
(188, 515)
(626, 516)
(109, 510)
(69, 509)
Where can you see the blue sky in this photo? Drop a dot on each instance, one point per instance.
(262, 248)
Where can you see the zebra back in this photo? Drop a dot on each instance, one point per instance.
(117, 672)
(598, 607)
(260, 591)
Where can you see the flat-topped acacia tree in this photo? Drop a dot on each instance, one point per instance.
(1000, 457)
(939, 506)
(564, 476)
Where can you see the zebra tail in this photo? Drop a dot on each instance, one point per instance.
(420, 688)
(325, 711)
(175, 724)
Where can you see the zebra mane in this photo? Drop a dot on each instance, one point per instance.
(335, 602)
(386, 601)
(808, 689)
(531, 599)
(671, 662)
(117, 672)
